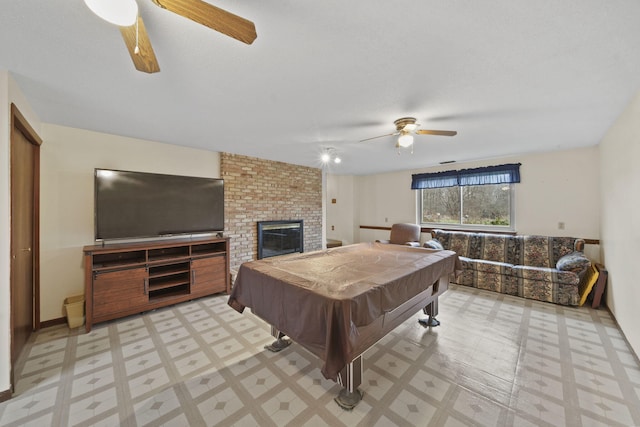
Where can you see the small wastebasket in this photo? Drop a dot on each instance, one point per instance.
(74, 306)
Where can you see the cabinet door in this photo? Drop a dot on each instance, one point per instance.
(208, 275)
(117, 291)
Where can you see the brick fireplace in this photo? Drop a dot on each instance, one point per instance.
(264, 190)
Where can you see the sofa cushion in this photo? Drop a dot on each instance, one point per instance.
(564, 245)
(535, 251)
(467, 263)
(433, 244)
(464, 244)
(497, 247)
(544, 274)
(489, 266)
(574, 261)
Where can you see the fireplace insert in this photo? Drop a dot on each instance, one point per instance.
(280, 237)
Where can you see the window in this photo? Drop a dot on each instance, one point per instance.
(476, 205)
(468, 198)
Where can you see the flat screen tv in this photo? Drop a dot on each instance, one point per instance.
(131, 205)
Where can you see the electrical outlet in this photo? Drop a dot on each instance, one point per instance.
(386, 219)
(561, 225)
(333, 228)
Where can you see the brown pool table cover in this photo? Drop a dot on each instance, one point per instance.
(323, 300)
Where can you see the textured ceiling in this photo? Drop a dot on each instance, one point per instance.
(511, 76)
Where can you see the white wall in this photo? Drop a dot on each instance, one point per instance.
(68, 159)
(620, 205)
(9, 93)
(558, 186)
(341, 214)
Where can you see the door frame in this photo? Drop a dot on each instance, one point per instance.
(20, 124)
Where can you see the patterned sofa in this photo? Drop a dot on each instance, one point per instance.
(537, 267)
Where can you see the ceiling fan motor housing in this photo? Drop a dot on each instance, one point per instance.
(406, 123)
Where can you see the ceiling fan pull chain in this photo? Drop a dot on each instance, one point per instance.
(137, 49)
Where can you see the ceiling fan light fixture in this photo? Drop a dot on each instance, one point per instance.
(405, 139)
(122, 13)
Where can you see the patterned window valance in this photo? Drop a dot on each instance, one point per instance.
(501, 174)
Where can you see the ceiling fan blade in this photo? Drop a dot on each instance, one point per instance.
(145, 59)
(213, 17)
(381, 136)
(436, 132)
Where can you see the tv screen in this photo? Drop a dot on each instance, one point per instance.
(138, 204)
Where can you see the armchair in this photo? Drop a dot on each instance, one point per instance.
(404, 234)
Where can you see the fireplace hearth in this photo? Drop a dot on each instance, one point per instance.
(280, 237)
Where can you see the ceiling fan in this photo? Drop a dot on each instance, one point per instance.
(135, 35)
(406, 127)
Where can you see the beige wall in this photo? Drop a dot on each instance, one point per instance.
(68, 159)
(620, 205)
(9, 93)
(341, 215)
(559, 186)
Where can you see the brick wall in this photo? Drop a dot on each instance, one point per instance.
(264, 190)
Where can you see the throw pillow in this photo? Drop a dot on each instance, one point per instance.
(575, 261)
(433, 244)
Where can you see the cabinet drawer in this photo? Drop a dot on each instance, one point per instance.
(208, 275)
(119, 291)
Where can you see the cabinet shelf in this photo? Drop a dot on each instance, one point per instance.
(129, 278)
(163, 274)
(120, 266)
(168, 258)
(160, 254)
(208, 249)
(119, 259)
(170, 283)
(169, 293)
(169, 269)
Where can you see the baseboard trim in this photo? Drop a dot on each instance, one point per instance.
(5, 395)
(53, 322)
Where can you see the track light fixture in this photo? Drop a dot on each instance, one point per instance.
(329, 156)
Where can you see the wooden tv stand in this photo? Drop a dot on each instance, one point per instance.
(129, 278)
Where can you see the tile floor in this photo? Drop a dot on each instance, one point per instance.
(496, 360)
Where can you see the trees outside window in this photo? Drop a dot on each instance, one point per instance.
(476, 206)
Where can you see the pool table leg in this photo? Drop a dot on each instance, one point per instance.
(280, 343)
(350, 378)
(430, 310)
